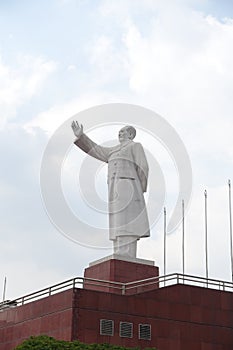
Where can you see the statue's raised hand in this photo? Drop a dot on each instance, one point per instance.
(78, 130)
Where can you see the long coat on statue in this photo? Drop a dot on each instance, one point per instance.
(127, 180)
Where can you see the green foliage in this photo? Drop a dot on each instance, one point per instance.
(43, 342)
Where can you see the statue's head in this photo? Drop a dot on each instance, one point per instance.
(128, 132)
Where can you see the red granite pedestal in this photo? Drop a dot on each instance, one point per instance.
(123, 271)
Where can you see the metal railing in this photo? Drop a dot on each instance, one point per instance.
(77, 282)
(177, 278)
(129, 288)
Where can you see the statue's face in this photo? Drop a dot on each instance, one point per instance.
(124, 134)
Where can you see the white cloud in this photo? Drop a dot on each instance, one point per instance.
(175, 60)
(49, 120)
(72, 68)
(182, 67)
(180, 53)
(19, 83)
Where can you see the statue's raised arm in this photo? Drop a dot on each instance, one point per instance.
(87, 145)
(78, 130)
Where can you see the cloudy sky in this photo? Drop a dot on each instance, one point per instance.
(60, 57)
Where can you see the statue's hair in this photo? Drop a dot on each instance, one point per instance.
(131, 130)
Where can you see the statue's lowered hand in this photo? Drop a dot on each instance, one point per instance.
(78, 130)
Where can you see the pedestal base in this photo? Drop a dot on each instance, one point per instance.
(120, 269)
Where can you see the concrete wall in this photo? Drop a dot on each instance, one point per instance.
(181, 318)
(51, 315)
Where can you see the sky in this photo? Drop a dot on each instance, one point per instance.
(61, 57)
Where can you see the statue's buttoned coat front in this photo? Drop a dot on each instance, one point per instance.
(127, 180)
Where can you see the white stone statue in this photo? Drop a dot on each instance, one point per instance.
(127, 180)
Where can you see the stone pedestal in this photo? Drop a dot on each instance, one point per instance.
(116, 268)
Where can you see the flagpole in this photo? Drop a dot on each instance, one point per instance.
(183, 236)
(206, 238)
(230, 222)
(4, 290)
(164, 243)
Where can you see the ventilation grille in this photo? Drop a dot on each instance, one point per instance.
(126, 330)
(145, 331)
(106, 327)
